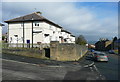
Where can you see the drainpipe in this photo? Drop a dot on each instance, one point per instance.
(8, 40)
(32, 32)
(23, 33)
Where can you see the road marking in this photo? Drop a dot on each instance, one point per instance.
(31, 63)
(89, 65)
(91, 69)
(19, 62)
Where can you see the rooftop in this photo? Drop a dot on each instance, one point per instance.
(1, 24)
(36, 16)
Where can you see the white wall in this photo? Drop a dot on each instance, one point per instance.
(0, 33)
(43, 28)
(72, 39)
(15, 29)
(54, 32)
(28, 32)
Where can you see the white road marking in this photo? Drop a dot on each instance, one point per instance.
(91, 69)
(29, 63)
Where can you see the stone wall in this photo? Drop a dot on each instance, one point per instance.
(66, 51)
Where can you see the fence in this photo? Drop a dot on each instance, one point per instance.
(20, 45)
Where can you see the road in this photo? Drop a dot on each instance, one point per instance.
(109, 69)
(22, 68)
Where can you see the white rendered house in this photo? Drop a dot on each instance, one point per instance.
(1, 31)
(33, 28)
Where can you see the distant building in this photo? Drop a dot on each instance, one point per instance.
(1, 31)
(116, 44)
(34, 28)
(103, 45)
(91, 46)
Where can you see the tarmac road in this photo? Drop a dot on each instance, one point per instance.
(22, 68)
(110, 69)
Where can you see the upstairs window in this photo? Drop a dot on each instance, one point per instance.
(53, 32)
(50, 27)
(36, 24)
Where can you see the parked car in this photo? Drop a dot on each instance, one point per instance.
(111, 52)
(100, 56)
(96, 52)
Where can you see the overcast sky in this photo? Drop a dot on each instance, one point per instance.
(94, 20)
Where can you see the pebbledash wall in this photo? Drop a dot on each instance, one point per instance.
(66, 51)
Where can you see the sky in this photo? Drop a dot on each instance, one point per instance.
(93, 20)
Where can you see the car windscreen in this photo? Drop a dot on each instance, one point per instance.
(101, 54)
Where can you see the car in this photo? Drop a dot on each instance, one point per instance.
(111, 52)
(96, 52)
(101, 57)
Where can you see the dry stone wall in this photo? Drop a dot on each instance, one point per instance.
(66, 51)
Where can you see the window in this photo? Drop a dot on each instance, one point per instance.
(36, 24)
(16, 35)
(53, 32)
(65, 40)
(50, 27)
(46, 35)
(11, 38)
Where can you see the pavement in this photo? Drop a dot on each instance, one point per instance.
(24, 68)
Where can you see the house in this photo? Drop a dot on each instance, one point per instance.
(34, 28)
(103, 45)
(116, 44)
(1, 31)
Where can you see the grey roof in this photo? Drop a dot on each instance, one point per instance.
(1, 24)
(65, 31)
(32, 17)
(72, 35)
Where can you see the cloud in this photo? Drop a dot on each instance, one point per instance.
(76, 20)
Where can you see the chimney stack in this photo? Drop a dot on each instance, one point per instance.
(39, 13)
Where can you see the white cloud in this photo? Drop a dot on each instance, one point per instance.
(77, 20)
(60, 0)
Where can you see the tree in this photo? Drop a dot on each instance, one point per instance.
(3, 37)
(81, 40)
(114, 39)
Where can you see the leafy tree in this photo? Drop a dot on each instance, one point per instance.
(114, 39)
(81, 40)
(3, 37)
